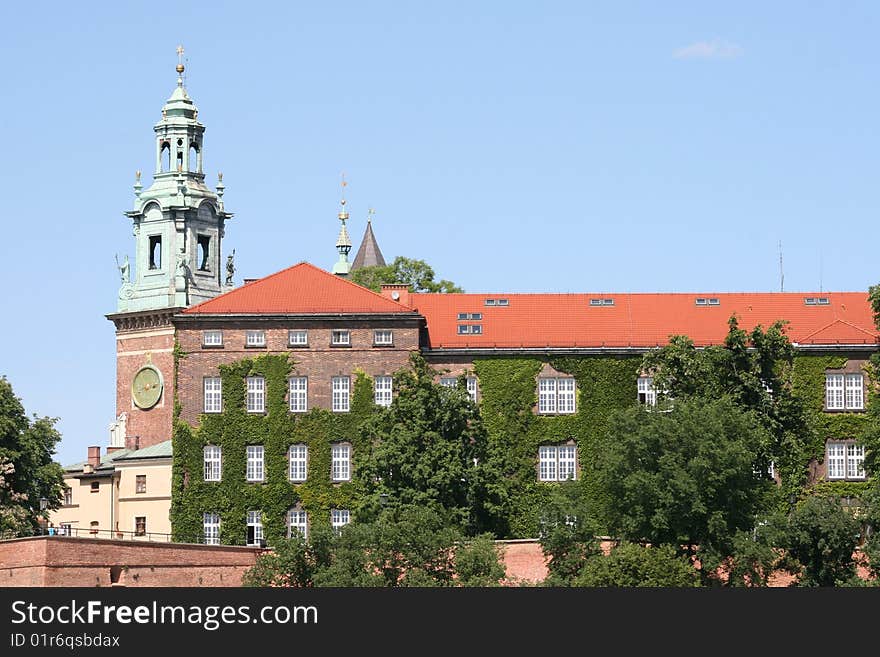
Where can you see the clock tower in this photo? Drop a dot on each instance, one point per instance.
(178, 225)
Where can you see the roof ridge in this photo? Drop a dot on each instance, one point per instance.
(236, 289)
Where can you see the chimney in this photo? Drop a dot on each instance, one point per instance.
(110, 450)
(94, 456)
(398, 292)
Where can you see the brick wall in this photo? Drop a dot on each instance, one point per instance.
(318, 361)
(134, 349)
(67, 561)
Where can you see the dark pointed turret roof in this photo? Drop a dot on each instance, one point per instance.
(369, 254)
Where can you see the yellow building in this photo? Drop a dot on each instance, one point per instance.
(124, 494)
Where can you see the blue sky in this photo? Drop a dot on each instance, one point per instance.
(519, 147)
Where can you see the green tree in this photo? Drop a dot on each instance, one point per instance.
(753, 370)
(418, 274)
(567, 536)
(819, 540)
(478, 562)
(630, 565)
(430, 449)
(684, 478)
(27, 445)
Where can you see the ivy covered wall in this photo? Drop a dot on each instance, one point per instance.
(508, 398)
(276, 430)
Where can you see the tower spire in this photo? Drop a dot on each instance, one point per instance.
(343, 242)
(369, 254)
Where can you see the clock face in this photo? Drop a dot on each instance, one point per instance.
(146, 387)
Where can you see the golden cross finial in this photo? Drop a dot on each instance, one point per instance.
(180, 66)
(343, 184)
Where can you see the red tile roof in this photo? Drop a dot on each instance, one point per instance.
(301, 289)
(640, 320)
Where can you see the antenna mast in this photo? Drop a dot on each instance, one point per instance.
(781, 274)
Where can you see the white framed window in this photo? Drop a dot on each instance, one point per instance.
(340, 462)
(844, 392)
(256, 394)
(211, 528)
(472, 388)
(383, 337)
(341, 387)
(213, 457)
(254, 528)
(340, 337)
(298, 456)
(212, 338)
(854, 392)
(68, 496)
(448, 381)
(844, 460)
(213, 394)
(382, 390)
(557, 462)
(297, 521)
(339, 518)
(472, 329)
(646, 393)
(255, 338)
(298, 338)
(255, 464)
(299, 394)
(556, 395)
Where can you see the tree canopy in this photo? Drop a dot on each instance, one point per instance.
(633, 565)
(430, 449)
(418, 274)
(27, 472)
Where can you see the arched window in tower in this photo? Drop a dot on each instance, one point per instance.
(204, 252)
(166, 156)
(194, 157)
(155, 252)
(180, 154)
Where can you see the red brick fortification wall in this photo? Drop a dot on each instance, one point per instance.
(524, 561)
(68, 561)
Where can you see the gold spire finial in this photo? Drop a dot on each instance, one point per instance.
(180, 66)
(343, 214)
(370, 213)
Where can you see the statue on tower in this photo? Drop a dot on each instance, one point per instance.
(123, 269)
(230, 269)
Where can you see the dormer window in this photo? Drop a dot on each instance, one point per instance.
(708, 301)
(470, 329)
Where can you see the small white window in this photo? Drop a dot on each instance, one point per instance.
(297, 521)
(255, 338)
(256, 394)
(834, 391)
(298, 338)
(557, 462)
(448, 381)
(556, 395)
(341, 386)
(340, 337)
(383, 337)
(855, 461)
(854, 392)
(211, 528)
(472, 388)
(340, 466)
(382, 390)
(213, 394)
(470, 329)
(299, 461)
(339, 518)
(212, 338)
(255, 470)
(299, 394)
(254, 528)
(213, 456)
(646, 392)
